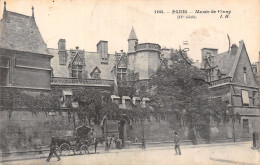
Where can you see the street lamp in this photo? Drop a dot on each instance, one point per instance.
(233, 125)
(143, 139)
(74, 106)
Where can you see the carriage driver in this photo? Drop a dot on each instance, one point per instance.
(53, 149)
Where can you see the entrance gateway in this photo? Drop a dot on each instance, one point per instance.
(115, 127)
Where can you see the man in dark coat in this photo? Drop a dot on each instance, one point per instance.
(177, 144)
(53, 149)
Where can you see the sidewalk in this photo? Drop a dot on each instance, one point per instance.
(242, 154)
(101, 150)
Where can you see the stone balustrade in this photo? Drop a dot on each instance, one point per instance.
(147, 46)
(220, 81)
(76, 81)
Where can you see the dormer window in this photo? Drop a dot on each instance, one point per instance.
(121, 74)
(77, 64)
(77, 71)
(95, 74)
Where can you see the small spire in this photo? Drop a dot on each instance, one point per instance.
(4, 6)
(32, 11)
(132, 35)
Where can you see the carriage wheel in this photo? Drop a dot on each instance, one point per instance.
(64, 149)
(91, 148)
(76, 150)
(84, 149)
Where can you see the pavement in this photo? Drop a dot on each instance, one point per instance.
(220, 153)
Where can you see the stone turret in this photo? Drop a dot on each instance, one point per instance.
(132, 41)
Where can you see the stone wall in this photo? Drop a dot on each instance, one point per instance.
(24, 130)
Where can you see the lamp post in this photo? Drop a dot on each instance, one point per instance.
(233, 125)
(74, 106)
(143, 139)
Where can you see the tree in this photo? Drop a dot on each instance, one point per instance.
(181, 90)
(90, 103)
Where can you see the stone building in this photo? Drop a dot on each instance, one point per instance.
(25, 59)
(25, 65)
(232, 78)
(75, 68)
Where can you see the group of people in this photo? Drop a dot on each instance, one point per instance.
(114, 142)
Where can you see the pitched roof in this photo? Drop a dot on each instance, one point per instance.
(20, 32)
(92, 60)
(232, 72)
(132, 35)
(227, 62)
(96, 68)
(123, 61)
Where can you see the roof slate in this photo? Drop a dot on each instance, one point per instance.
(132, 35)
(20, 32)
(227, 62)
(92, 60)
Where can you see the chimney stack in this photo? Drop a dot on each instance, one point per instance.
(234, 49)
(4, 6)
(62, 52)
(62, 44)
(32, 11)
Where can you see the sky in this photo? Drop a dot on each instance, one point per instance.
(85, 22)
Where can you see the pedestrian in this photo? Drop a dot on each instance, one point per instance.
(53, 149)
(113, 142)
(109, 141)
(177, 144)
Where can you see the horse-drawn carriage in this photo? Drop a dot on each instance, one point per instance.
(82, 142)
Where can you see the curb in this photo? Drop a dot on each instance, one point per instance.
(231, 161)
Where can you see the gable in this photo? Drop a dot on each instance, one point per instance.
(244, 61)
(122, 62)
(96, 70)
(77, 60)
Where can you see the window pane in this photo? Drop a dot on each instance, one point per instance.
(74, 73)
(4, 76)
(4, 61)
(244, 68)
(124, 76)
(245, 80)
(245, 98)
(80, 74)
(245, 125)
(80, 67)
(74, 66)
(118, 77)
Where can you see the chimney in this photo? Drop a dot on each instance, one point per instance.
(207, 54)
(32, 11)
(62, 44)
(62, 52)
(234, 49)
(102, 49)
(4, 6)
